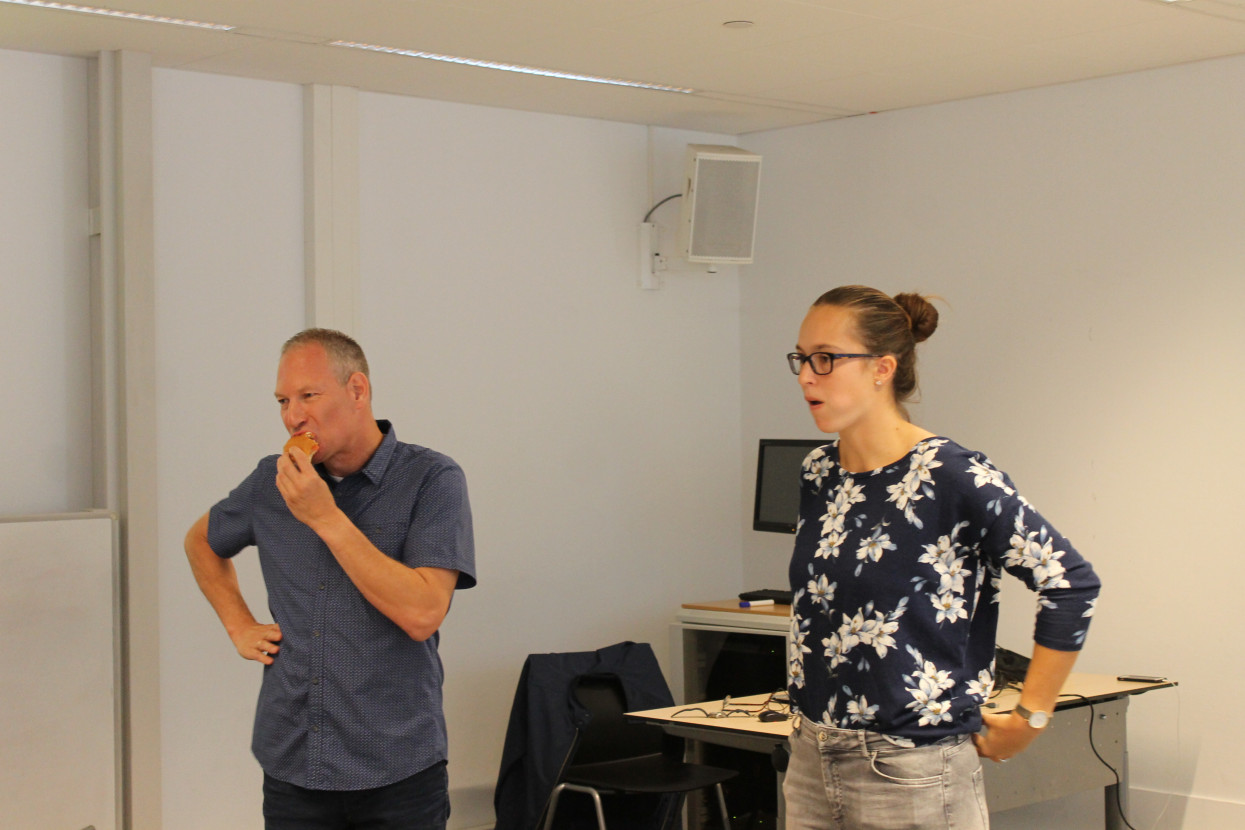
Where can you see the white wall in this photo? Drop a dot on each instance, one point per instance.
(44, 297)
(1088, 242)
(1086, 237)
(229, 274)
(596, 422)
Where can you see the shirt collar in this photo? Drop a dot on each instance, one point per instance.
(375, 468)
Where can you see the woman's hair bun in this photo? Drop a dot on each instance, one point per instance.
(922, 316)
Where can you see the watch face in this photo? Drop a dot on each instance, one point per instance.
(1037, 720)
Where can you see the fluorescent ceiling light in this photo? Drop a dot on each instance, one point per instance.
(150, 18)
(410, 53)
(508, 67)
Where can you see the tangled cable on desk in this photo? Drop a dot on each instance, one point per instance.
(776, 702)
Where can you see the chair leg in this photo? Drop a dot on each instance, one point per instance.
(596, 802)
(553, 805)
(726, 816)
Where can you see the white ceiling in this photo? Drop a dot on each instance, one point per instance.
(799, 62)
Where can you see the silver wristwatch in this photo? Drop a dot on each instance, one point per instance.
(1038, 720)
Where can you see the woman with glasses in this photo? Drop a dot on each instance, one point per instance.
(902, 543)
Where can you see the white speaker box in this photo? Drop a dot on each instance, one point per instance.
(717, 221)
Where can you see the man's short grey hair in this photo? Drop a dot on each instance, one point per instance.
(345, 354)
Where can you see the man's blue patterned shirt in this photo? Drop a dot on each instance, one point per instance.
(350, 701)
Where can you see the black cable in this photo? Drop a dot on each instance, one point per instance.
(736, 710)
(1093, 714)
(991, 701)
(659, 204)
(721, 713)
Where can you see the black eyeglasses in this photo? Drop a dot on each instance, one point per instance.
(822, 363)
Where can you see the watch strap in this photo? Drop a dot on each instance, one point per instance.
(1042, 718)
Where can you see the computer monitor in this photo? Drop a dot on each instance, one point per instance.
(779, 460)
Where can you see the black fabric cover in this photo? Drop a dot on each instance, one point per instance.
(545, 715)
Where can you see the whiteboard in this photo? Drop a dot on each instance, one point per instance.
(58, 652)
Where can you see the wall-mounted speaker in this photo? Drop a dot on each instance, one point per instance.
(717, 221)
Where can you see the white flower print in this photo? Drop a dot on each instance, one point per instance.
(850, 630)
(817, 465)
(1034, 549)
(935, 712)
(982, 686)
(828, 545)
(932, 679)
(821, 591)
(828, 715)
(859, 711)
(795, 673)
(935, 552)
(877, 585)
(983, 475)
(796, 649)
(979, 580)
(949, 566)
(905, 493)
(916, 484)
(949, 607)
(950, 570)
(873, 633)
(926, 686)
(849, 493)
(1079, 635)
(948, 559)
(923, 460)
(835, 653)
(834, 521)
(873, 547)
(833, 518)
(882, 639)
(867, 627)
(932, 710)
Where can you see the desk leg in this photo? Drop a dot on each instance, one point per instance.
(1116, 797)
(780, 758)
(781, 822)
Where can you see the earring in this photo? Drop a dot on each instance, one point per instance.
(877, 383)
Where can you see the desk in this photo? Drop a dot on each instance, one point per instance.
(702, 629)
(1058, 763)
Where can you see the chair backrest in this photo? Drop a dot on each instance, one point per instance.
(608, 735)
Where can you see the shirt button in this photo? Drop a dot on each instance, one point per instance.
(315, 681)
(315, 633)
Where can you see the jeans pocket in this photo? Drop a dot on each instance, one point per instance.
(922, 766)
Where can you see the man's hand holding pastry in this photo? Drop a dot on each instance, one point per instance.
(305, 493)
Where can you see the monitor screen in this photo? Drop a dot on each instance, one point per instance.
(779, 461)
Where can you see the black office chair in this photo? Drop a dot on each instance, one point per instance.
(615, 756)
